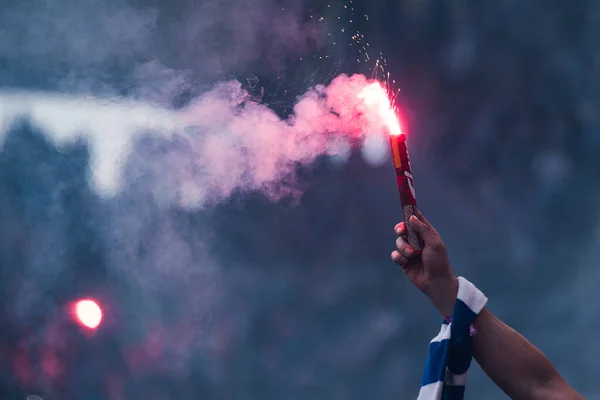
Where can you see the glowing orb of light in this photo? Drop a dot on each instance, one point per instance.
(88, 313)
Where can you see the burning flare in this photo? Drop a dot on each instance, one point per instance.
(88, 313)
(376, 97)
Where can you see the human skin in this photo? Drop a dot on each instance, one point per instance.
(514, 364)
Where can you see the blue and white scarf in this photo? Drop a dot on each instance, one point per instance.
(451, 351)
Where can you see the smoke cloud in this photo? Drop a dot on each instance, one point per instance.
(156, 94)
(224, 140)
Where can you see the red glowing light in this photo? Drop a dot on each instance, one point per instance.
(376, 96)
(88, 313)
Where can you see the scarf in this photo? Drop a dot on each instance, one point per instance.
(451, 351)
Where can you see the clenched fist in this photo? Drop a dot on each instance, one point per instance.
(430, 271)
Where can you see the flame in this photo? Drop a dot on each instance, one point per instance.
(376, 97)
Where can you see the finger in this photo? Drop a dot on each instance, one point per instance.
(403, 247)
(400, 229)
(399, 258)
(428, 234)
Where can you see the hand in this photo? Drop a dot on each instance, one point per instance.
(431, 272)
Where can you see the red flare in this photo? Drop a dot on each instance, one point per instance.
(87, 313)
(376, 97)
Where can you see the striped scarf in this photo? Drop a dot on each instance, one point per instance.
(450, 352)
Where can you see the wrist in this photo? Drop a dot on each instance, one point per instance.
(443, 295)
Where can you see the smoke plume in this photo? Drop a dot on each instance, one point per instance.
(222, 141)
(156, 94)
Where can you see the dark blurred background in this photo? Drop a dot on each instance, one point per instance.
(254, 299)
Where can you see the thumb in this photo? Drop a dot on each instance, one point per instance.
(426, 232)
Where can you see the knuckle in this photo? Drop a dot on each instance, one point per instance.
(438, 245)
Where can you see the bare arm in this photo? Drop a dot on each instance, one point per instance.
(514, 364)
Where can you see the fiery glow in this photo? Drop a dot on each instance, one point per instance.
(88, 313)
(376, 97)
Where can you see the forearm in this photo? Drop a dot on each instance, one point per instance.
(511, 361)
(514, 364)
